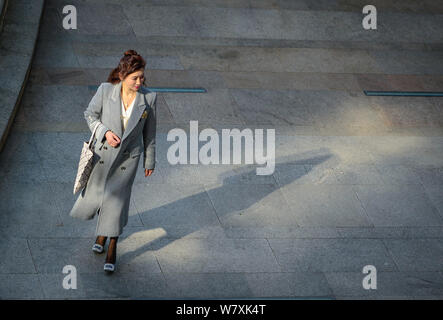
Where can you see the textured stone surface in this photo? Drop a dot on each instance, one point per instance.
(323, 255)
(357, 179)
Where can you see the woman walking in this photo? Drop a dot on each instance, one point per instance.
(126, 113)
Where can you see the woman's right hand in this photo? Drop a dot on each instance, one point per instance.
(112, 138)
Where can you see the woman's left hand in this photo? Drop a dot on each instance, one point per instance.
(148, 172)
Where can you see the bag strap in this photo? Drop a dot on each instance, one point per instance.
(93, 133)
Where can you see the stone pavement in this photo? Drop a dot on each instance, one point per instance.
(358, 180)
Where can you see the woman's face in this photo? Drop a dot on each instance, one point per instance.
(134, 80)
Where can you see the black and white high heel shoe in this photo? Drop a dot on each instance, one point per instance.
(98, 248)
(99, 245)
(109, 267)
(112, 256)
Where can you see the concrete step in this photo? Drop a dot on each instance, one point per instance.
(17, 41)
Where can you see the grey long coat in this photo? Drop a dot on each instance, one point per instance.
(110, 183)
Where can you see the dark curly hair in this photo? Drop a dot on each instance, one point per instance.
(129, 63)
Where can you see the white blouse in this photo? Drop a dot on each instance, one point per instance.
(125, 114)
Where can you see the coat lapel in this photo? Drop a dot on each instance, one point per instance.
(138, 108)
(115, 110)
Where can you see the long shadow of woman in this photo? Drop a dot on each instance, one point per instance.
(225, 188)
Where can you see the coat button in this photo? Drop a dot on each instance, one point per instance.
(101, 161)
(105, 147)
(123, 168)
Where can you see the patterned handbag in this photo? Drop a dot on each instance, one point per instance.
(85, 164)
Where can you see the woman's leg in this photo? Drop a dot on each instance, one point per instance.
(112, 250)
(101, 240)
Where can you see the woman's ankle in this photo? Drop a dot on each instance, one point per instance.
(101, 240)
(112, 250)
